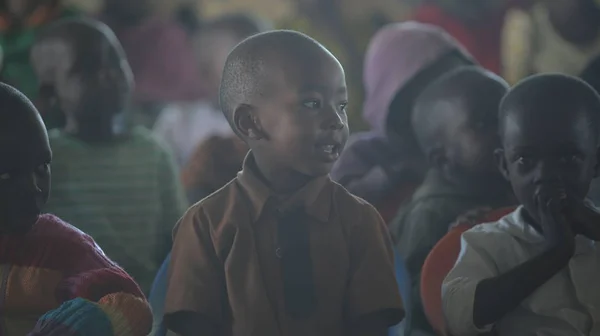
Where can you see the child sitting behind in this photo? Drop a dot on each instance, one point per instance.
(536, 271)
(282, 250)
(455, 123)
(48, 266)
(117, 183)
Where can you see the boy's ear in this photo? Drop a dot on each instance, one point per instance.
(437, 157)
(501, 163)
(597, 166)
(246, 123)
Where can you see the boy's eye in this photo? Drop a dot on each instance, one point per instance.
(5, 176)
(343, 106)
(42, 169)
(312, 104)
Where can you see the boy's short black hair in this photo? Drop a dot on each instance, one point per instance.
(14, 104)
(460, 84)
(551, 92)
(85, 33)
(242, 25)
(245, 74)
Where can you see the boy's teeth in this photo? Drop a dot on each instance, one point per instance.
(328, 148)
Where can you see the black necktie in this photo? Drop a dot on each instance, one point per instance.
(296, 264)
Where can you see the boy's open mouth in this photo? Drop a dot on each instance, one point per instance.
(329, 152)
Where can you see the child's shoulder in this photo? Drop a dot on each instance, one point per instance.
(50, 227)
(218, 209)
(351, 206)
(64, 245)
(508, 229)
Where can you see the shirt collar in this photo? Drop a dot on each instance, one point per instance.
(522, 230)
(314, 197)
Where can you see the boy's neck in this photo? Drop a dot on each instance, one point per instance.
(281, 181)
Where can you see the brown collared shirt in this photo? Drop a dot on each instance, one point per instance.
(226, 266)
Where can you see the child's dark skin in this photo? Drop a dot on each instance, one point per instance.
(463, 121)
(87, 77)
(305, 113)
(550, 156)
(296, 128)
(24, 165)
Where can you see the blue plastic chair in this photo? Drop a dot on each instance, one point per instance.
(158, 294)
(403, 281)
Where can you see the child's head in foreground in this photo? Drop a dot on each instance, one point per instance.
(82, 71)
(456, 121)
(285, 95)
(549, 127)
(24, 162)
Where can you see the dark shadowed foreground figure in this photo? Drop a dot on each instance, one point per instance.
(282, 250)
(54, 275)
(537, 269)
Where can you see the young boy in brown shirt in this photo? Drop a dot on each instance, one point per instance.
(283, 250)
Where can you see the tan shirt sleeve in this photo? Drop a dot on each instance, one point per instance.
(372, 286)
(196, 281)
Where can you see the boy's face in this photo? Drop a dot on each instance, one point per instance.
(212, 48)
(472, 137)
(301, 124)
(81, 88)
(548, 151)
(24, 172)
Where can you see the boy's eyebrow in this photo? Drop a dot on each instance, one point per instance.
(322, 88)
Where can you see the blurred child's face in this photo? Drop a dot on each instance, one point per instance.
(471, 136)
(302, 125)
(212, 48)
(548, 150)
(24, 172)
(82, 88)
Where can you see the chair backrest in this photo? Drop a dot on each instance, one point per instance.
(440, 261)
(157, 297)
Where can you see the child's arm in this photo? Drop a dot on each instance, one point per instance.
(476, 295)
(195, 291)
(373, 301)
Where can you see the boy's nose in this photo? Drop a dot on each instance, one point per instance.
(548, 172)
(334, 120)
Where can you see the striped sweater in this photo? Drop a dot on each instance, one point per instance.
(55, 280)
(125, 194)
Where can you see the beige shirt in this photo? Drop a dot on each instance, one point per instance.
(568, 304)
(226, 264)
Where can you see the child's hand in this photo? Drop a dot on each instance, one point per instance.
(555, 228)
(586, 219)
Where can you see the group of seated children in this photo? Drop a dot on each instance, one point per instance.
(282, 249)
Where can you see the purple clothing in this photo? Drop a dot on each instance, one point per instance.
(370, 165)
